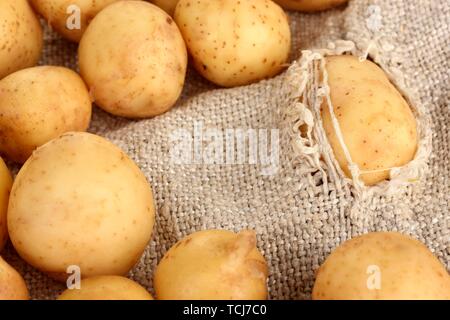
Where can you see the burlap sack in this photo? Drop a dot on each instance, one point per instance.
(303, 210)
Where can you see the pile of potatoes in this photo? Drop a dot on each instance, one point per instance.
(79, 200)
(133, 58)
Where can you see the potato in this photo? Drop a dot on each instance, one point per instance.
(167, 5)
(12, 285)
(310, 5)
(39, 104)
(107, 288)
(377, 124)
(80, 201)
(213, 265)
(70, 17)
(382, 265)
(5, 188)
(21, 37)
(235, 42)
(134, 59)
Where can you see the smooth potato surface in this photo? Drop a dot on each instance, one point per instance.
(406, 269)
(39, 104)
(213, 265)
(12, 285)
(377, 124)
(5, 189)
(134, 60)
(79, 200)
(235, 42)
(62, 15)
(107, 288)
(20, 36)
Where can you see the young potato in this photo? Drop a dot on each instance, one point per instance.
(21, 38)
(377, 124)
(382, 265)
(133, 58)
(107, 288)
(12, 285)
(213, 265)
(79, 200)
(235, 42)
(38, 104)
(5, 189)
(310, 5)
(70, 17)
(167, 5)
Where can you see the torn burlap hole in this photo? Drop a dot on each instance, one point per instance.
(308, 87)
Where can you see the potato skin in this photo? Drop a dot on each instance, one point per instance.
(213, 265)
(167, 5)
(55, 12)
(235, 42)
(79, 200)
(407, 268)
(377, 124)
(107, 288)
(39, 104)
(310, 5)
(5, 189)
(21, 37)
(12, 285)
(134, 60)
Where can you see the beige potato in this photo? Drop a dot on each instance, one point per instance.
(310, 5)
(235, 42)
(167, 5)
(107, 288)
(134, 60)
(39, 104)
(213, 265)
(79, 200)
(70, 18)
(20, 36)
(382, 265)
(5, 189)
(377, 124)
(12, 285)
